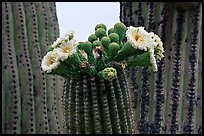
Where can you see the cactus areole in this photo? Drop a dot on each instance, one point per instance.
(96, 95)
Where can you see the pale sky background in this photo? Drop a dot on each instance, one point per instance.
(82, 17)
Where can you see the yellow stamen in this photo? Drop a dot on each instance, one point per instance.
(110, 74)
(138, 37)
(52, 59)
(67, 49)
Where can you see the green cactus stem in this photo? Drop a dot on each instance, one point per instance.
(174, 106)
(97, 106)
(32, 99)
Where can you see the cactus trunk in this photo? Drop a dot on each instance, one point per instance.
(169, 100)
(31, 99)
(95, 106)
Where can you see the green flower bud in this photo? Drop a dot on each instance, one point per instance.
(113, 50)
(100, 26)
(108, 73)
(120, 29)
(105, 41)
(111, 30)
(92, 38)
(86, 46)
(114, 37)
(100, 32)
(96, 43)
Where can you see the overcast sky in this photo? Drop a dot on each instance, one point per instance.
(82, 17)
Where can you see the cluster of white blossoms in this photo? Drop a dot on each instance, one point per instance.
(62, 49)
(142, 40)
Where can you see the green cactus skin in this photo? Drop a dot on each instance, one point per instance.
(11, 101)
(173, 105)
(32, 100)
(95, 106)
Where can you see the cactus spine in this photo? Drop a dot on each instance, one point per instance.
(175, 109)
(29, 105)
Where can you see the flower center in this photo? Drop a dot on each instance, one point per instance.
(138, 37)
(52, 59)
(67, 49)
(110, 74)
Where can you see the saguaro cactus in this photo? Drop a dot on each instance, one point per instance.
(168, 101)
(31, 100)
(93, 105)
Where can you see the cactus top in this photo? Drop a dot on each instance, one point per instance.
(103, 49)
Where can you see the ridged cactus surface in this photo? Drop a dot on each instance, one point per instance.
(168, 101)
(31, 100)
(96, 106)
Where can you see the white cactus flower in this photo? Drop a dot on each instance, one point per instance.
(67, 49)
(50, 61)
(139, 38)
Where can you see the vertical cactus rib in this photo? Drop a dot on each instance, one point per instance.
(188, 127)
(72, 108)
(11, 108)
(87, 104)
(115, 121)
(176, 71)
(144, 127)
(127, 101)
(104, 109)
(151, 79)
(51, 94)
(59, 80)
(121, 12)
(130, 4)
(24, 68)
(34, 50)
(121, 106)
(79, 110)
(140, 15)
(42, 120)
(96, 110)
(198, 114)
(158, 117)
(65, 104)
